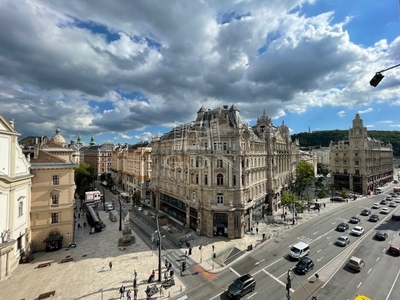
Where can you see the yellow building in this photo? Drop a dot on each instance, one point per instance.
(15, 197)
(53, 188)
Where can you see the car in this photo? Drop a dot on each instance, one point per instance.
(394, 249)
(392, 204)
(383, 202)
(304, 265)
(385, 210)
(241, 286)
(376, 205)
(109, 206)
(365, 212)
(394, 195)
(373, 218)
(342, 227)
(337, 199)
(381, 236)
(342, 241)
(396, 217)
(354, 220)
(397, 200)
(388, 198)
(356, 263)
(357, 231)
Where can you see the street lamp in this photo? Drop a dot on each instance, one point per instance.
(378, 76)
(159, 248)
(120, 212)
(104, 198)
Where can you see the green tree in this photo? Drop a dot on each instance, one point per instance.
(304, 176)
(292, 201)
(322, 193)
(345, 194)
(84, 175)
(136, 199)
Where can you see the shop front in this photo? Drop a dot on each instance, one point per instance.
(53, 242)
(220, 224)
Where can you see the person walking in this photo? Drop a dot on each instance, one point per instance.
(121, 292)
(161, 291)
(166, 263)
(257, 230)
(134, 283)
(185, 254)
(135, 274)
(128, 295)
(110, 265)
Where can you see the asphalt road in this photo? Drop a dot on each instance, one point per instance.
(270, 263)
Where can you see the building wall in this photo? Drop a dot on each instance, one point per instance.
(42, 206)
(15, 197)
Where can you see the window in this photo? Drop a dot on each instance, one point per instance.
(54, 218)
(358, 172)
(345, 171)
(20, 208)
(205, 179)
(197, 179)
(219, 163)
(224, 146)
(220, 179)
(54, 199)
(234, 180)
(357, 163)
(56, 180)
(220, 199)
(345, 161)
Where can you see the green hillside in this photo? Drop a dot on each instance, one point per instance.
(323, 138)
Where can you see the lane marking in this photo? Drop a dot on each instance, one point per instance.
(394, 282)
(316, 232)
(369, 271)
(252, 295)
(359, 284)
(277, 279)
(377, 258)
(319, 250)
(230, 268)
(328, 237)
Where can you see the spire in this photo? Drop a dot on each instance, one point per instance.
(92, 142)
(79, 141)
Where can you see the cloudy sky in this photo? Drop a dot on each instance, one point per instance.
(127, 70)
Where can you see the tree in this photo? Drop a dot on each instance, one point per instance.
(84, 175)
(292, 201)
(304, 176)
(322, 193)
(136, 199)
(345, 194)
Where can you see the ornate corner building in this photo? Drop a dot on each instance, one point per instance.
(15, 198)
(361, 163)
(218, 175)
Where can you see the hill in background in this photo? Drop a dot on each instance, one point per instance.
(323, 138)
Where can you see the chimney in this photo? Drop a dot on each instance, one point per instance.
(36, 151)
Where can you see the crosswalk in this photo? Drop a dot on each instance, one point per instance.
(176, 257)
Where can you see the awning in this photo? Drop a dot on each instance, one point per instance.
(53, 238)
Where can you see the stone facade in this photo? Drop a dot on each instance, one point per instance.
(53, 188)
(131, 168)
(15, 198)
(98, 157)
(218, 175)
(361, 164)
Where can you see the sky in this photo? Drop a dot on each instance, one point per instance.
(125, 71)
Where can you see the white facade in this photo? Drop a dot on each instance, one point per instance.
(15, 198)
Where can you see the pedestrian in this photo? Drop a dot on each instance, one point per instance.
(257, 230)
(134, 283)
(135, 290)
(169, 266)
(251, 229)
(153, 273)
(161, 291)
(185, 254)
(165, 276)
(166, 263)
(135, 274)
(128, 295)
(284, 217)
(324, 205)
(121, 292)
(213, 248)
(110, 265)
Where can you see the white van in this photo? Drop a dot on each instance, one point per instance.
(378, 191)
(299, 250)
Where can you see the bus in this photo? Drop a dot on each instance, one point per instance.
(396, 190)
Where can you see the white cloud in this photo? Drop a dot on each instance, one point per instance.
(368, 110)
(341, 113)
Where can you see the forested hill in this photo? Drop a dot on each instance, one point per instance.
(323, 138)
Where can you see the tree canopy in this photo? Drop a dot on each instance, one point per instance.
(84, 175)
(304, 176)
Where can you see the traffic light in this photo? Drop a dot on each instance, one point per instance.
(376, 79)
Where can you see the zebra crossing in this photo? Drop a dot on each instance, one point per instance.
(176, 257)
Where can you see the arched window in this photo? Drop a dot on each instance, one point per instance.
(220, 179)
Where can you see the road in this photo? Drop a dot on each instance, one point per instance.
(270, 263)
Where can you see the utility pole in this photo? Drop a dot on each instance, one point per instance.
(159, 249)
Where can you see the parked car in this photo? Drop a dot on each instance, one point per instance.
(357, 231)
(396, 217)
(383, 202)
(356, 263)
(385, 210)
(109, 206)
(354, 220)
(376, 205)
(337, 199)
(241, 286)
(394, 249)
(397, 200)
(381, 236)
(304, 265)
(342, 227)
(365, 212)
(392, 204)
(388, 198)
(373, 218)
(342, 241)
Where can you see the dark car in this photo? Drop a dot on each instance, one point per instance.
(241, 286)
(396, 217)
(394, 249)
(342, 227)
(337, 199)
(365, 212)
(373, 218)
(381, 236)
(383, 202)
(304, 265)
(354, 220)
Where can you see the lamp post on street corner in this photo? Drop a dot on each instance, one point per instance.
(120, 212)
(104, 198)
(159, 248)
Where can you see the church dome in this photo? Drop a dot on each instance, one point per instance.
(58, 138)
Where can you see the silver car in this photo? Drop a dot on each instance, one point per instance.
(342, 241)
